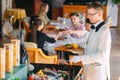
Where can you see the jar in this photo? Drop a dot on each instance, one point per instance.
(2, 63)
(8, 57)
(16, 52)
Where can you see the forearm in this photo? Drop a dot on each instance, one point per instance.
(78, 32)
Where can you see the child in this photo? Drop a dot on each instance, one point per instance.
(37, 36)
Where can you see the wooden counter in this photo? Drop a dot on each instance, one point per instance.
(18, 73)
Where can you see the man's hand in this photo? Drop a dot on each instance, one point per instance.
(75, 59)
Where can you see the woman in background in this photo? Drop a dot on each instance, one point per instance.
(43, 14)
(37, 36)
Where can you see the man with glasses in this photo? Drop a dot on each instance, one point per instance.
(97, 50)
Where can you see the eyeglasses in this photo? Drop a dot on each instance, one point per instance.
(90, 14)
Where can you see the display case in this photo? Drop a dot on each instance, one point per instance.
(72, 70)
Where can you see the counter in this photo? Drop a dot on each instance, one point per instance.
(19, 72)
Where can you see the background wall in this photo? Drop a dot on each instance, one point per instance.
(4, 5)
(112, 11)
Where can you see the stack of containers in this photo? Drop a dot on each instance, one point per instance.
(9, 57)
(16, 52)
(2, 63)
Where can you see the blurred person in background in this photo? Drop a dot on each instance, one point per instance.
(38, 37)
(76, 29)
(43, 14)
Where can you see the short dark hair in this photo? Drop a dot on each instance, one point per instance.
(74, 14)
(32, 18)
(37, 22)
(96, 5)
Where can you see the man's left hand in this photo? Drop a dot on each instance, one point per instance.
(75, 59)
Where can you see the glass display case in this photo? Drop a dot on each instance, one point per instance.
(70, 72)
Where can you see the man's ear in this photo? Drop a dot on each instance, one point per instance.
(100, 14)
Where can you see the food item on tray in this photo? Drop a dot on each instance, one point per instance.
(51, 74)
(53, 69)
(69, 46)
(75, 46)
(40, 72)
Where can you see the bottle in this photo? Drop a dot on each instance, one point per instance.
(16, 50)
(10, 25)
(23, 51)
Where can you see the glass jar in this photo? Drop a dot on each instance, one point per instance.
(2, 63)
(16, 52)
(9, 57)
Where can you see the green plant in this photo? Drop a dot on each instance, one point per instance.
(116, 1)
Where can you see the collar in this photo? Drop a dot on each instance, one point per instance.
(96, 24)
